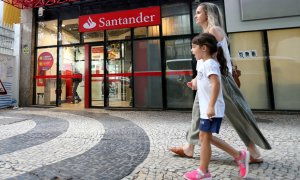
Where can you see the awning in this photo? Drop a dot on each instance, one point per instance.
(25, 4)
(11, 15)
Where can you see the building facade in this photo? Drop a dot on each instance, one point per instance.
(264, 41)
(147, 65)
(9, 55)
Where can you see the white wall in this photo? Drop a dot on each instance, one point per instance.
(234, 21)
(7, 70)
(1, 12)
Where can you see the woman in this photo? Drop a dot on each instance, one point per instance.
(238, 112)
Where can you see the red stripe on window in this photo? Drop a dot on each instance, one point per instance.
(136, 74)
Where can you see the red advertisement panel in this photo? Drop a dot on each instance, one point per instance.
(122, 19)
(45, 61)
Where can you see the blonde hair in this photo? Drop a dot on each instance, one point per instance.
(214, 15)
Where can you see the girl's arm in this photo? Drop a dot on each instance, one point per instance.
(215, 89)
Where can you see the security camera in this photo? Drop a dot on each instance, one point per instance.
(41, 11)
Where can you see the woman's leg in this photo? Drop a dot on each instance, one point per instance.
(241, 117)
(221, 144)
(255, 154)
(192, 135)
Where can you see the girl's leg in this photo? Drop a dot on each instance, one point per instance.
(241, 157)
(205, 150)
(205, 153)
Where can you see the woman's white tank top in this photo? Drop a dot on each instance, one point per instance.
(224, 46)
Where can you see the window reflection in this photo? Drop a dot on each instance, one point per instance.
(93, 36)
(175, 19)
(47, 33)
(70, 33)
(178, 73)
(285, 64)
(150, 31)
(118, 34)
(147, 70)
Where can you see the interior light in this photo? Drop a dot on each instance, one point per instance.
(63, 25)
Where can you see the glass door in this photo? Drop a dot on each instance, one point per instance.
(97, 76)
(119, 79)
(71, 76)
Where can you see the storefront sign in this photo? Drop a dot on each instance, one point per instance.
(45, 61)
(121, 19)
(26, 49)
(2, 88)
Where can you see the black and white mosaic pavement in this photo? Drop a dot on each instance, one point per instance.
(60, 144)
(42, 144)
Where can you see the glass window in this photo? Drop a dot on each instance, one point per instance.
(93, 36)
(70, 33)
(46, 76)
(147, 74)
(6, 41)
(178, 73)
(47, 33)
(175, 19)
(150, 31)
(250, 58)
(118, 34)
(285, 64)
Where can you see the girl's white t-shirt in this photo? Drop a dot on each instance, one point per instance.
(204, 70)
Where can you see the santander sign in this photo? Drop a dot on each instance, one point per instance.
(121, 19)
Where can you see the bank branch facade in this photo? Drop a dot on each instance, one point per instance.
(136, 54)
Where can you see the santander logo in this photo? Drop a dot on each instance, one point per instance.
(149, 16)
(89, 24)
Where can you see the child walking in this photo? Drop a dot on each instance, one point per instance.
(211, 102)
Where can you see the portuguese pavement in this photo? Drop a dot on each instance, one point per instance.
(68, 144)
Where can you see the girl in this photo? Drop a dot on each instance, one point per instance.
(212, 106)
(208, 16)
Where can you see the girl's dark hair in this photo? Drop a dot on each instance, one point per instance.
(211, 42)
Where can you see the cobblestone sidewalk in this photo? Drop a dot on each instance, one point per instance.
(102, 144)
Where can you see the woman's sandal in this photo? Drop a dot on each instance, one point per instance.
(257, 160)
(179, 151)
